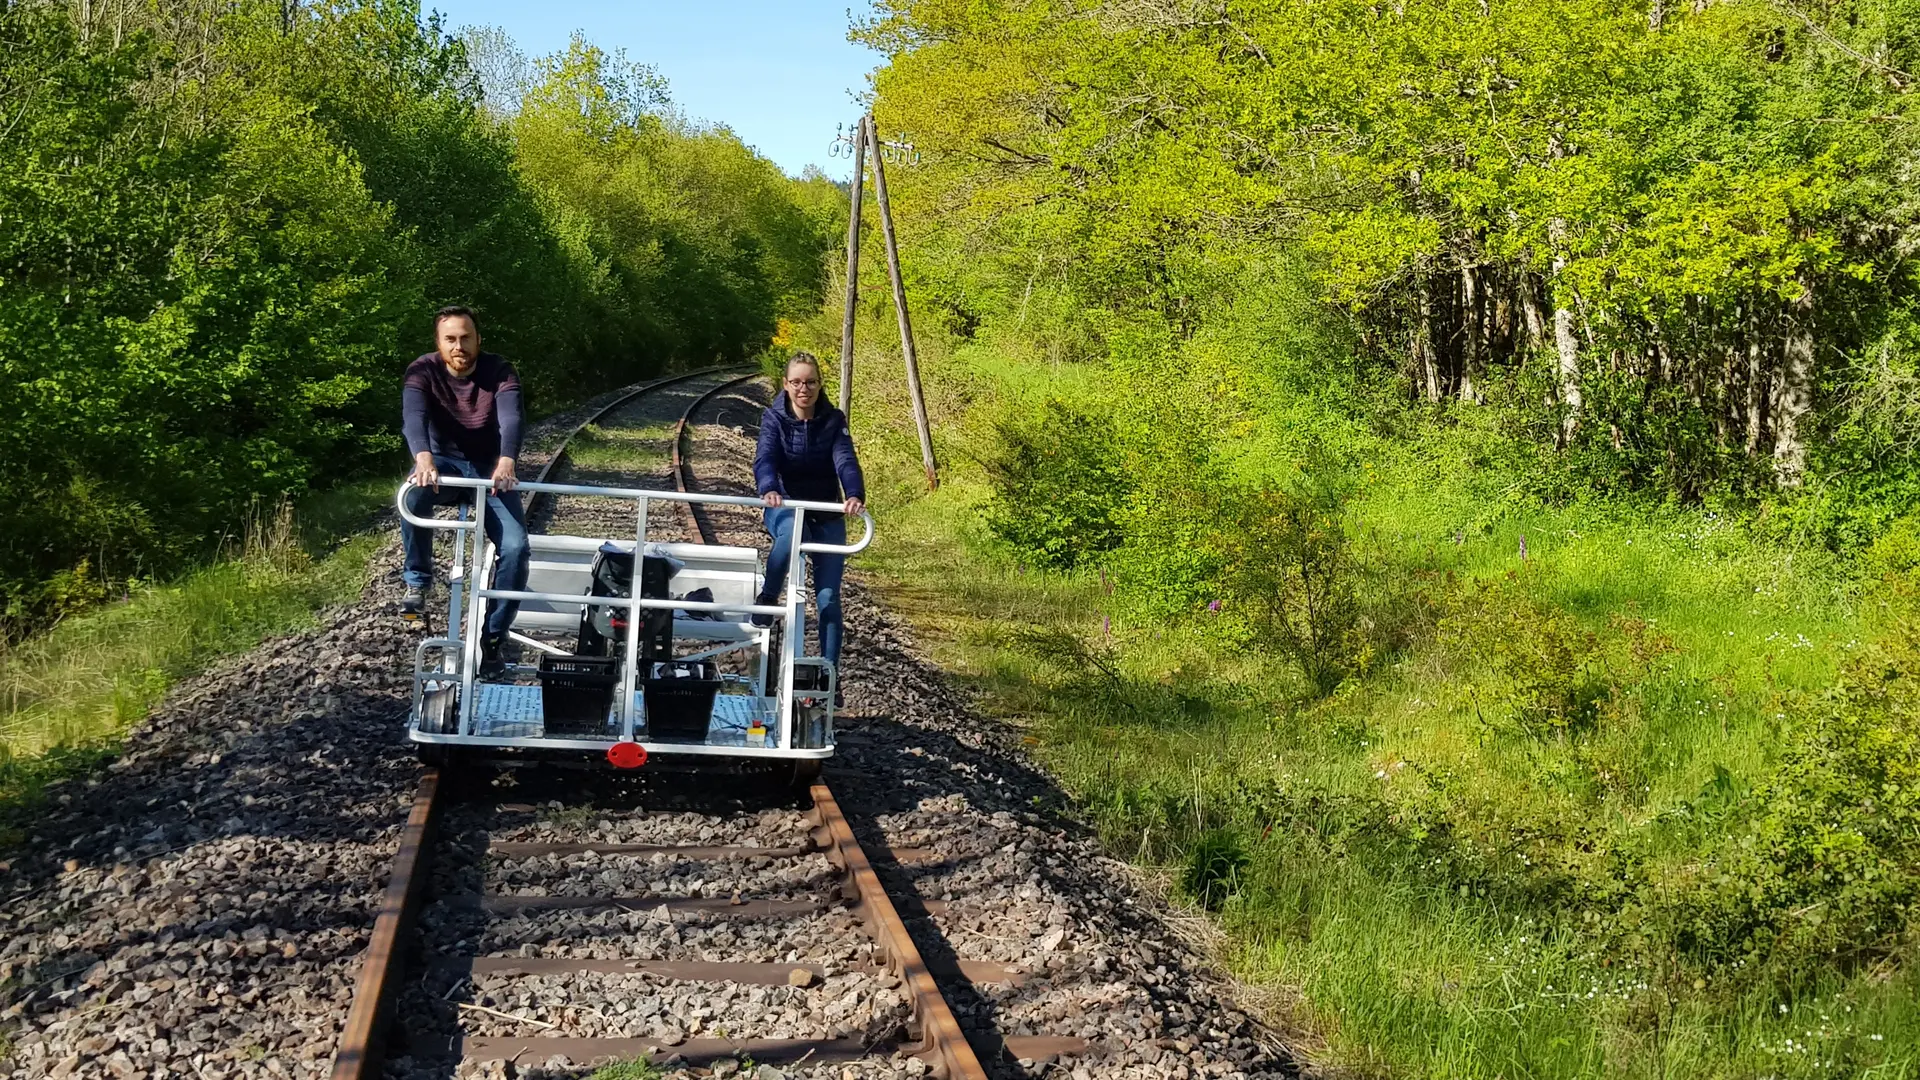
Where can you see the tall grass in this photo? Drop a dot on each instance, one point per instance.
(68, 694)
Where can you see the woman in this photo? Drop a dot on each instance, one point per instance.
(806, 453)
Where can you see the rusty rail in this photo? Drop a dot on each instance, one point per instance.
(682, 470)
(363, 1038)
(942, 1044)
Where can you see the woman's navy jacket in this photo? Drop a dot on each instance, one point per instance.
(807, 459)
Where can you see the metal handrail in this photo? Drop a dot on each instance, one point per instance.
(789, 613)
(636, 494)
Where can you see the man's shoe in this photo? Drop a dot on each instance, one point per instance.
(413, 602)
(763, 621)
(492, 663)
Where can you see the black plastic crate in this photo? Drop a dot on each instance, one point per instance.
(679, 696)
(576, 692)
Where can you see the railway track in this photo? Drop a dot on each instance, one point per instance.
(551, 922)
(201, 908)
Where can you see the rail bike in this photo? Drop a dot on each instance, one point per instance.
(640, 650)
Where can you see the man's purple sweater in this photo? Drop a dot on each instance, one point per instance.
(476, 418)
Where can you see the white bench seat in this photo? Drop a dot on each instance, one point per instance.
(564, 564)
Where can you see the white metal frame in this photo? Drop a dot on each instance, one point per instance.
(470, 587)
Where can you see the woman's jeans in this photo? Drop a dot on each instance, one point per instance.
(821, 528)
(506, 527)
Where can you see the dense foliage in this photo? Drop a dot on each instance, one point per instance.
(1676, 242)
(223, 227)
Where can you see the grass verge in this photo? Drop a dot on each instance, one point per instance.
(68, 695)
(1302, 821)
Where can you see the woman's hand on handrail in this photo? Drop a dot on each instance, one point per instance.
(852, 506)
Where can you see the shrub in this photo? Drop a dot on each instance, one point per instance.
(1897, 551)
(1289, 576)
(1542, 670)
(1829, 864)
(1213, 869)
(1058, 484)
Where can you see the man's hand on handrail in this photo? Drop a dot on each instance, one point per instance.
(424, 473)
(503, 478)
(855, 506)
(772, 498)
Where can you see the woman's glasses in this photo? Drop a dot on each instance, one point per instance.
(802, 384)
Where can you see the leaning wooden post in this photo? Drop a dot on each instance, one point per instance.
(900, 306)
(853, 269)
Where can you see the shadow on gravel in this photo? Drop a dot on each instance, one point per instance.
(235, 850)
(892, 778)
(159, 802)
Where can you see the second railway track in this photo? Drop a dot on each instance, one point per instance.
(545, 922)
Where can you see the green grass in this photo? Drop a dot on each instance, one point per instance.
(636, 1069)
(1407, 956)
(67, 696)
(623, 449)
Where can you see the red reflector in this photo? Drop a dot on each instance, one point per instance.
(627, 755)
(617, 622)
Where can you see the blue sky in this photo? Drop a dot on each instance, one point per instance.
(781, 73)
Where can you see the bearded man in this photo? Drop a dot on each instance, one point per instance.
(460, 410)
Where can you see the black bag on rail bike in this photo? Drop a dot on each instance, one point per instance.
(602, 627)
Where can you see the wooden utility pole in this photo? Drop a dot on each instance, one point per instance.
(900, 306)
(853, 267)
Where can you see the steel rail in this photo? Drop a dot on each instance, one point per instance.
(560, 453)
(683, 470)
(364, 1036)
(942, 1044)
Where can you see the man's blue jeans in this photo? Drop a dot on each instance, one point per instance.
(506, 527)
(827, 569)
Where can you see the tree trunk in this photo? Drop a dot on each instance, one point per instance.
(1566, 349)
(1795, 396)
(1757, 390)
(1730, 390)
(1529, 289)
(1473, 340)
(1423, 343)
